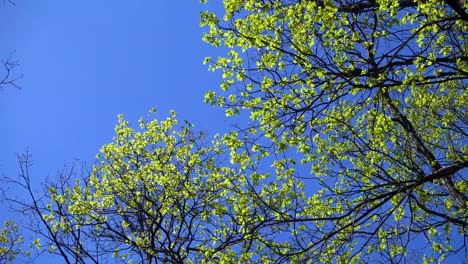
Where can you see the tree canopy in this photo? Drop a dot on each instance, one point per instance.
(355, 151)
(10, 242)
(368, 97)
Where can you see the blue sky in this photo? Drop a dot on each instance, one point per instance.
(84, 62)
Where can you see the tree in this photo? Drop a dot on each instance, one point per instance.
(10, 242)
(155, 195)
(8, 76)
(366, 99)
(10, 238)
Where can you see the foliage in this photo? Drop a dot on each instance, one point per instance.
(10, 242)
(356, 150)
(366, 99)
(157, 194)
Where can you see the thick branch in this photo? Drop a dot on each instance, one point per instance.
(365, 6)
(443, 174)
(458, 8)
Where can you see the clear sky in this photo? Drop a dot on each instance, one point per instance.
(86, 61)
